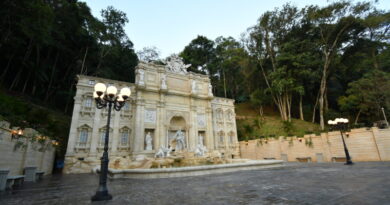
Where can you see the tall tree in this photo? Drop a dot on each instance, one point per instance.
(334, 24)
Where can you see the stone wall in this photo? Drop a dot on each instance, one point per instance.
(364, 144)
(15, 154)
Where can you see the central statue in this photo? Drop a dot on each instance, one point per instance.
(180, 142)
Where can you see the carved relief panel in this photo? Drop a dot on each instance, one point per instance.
(150, 116)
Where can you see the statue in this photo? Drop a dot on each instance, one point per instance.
(163, 82)
(167, 151)
(148, 141)
(200, 150)
(163, 152)
(175, 64)
(179, 137)
(193, 86)
(141, 77)
(201, 140)
(210, 90)
(160, 153)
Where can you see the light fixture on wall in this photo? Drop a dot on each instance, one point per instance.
(342, 125)
(15, 134)
(107, 97)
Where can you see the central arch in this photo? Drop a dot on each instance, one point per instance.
(177, 123)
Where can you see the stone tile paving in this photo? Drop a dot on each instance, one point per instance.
(323, 183)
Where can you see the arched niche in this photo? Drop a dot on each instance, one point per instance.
(176, 123)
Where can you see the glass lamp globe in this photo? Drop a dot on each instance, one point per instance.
(111, 91)
(120, 98)
(100, 88)
(125, 93)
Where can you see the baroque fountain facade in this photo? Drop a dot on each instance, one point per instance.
(171, 119)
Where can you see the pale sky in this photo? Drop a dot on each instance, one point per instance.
(170, 25)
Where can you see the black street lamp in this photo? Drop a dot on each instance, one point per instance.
(341, 124)
(107, 98)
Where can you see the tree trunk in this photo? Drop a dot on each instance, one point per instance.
(326, 103)
(375, 60)
(323, 90)
(6, 68)
(27, 79)
(261, 111)
(357, 116)
(315, 108)
(51, 78)
(85, 56)
(300, 108)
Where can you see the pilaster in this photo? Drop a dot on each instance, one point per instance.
(95, 132)
(210, 144)
(139, 125)
(115, 134)
(74, 123)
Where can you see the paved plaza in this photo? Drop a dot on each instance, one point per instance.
(322, 183)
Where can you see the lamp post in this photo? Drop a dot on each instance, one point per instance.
(107, 98)
(341, 124)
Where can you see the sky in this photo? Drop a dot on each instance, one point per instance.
(170, 25)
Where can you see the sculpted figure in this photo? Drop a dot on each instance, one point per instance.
(201, 140)
(175, 64)
(193, 86)
(160, 153)
(148, 141)
(141, 77)
(180, 144)
(200, 150)
(163, 82)
(210, 90)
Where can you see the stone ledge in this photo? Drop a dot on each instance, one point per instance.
(194, 170)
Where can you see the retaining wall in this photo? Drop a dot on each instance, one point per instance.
(364, 144)
(15, 154)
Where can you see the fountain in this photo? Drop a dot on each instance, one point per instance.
(176, 161)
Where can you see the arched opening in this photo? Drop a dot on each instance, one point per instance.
(177, 124)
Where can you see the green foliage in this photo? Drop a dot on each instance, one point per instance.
(288, 127)
(45, 44)
(20, 113)
(368, 95)
(309, 142)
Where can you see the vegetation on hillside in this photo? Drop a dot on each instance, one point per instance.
(22, 113)
(251, 125)
(307, 63)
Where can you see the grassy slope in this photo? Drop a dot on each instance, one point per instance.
(272, 124)
(21, 112)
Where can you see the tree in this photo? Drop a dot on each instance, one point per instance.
(149, 54)
(367, 95)
(200, 53)
(268, 39)
(334, 25)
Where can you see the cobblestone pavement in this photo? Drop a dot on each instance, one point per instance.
(324, 183)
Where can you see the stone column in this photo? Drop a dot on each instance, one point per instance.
(192, 129)
(209, 130)
(159, 134)
(115, 133)
(74, 123)
(139, 126)
(95, 132)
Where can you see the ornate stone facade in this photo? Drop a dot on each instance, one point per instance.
(164, 99)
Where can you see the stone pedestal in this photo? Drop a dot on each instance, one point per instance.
(3, 178)
(30, 173)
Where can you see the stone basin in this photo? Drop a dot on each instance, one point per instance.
(193, 170)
